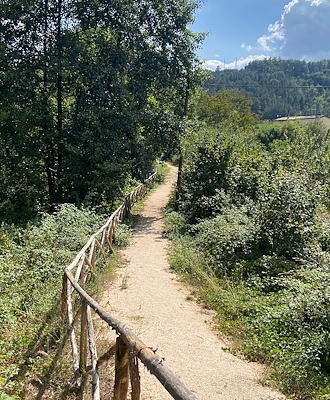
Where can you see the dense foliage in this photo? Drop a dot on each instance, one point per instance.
(253, 231)
(32, 331)
(225, 107)
(91, 93)
(272, 85)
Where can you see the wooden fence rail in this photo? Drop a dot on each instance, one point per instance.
(128, 348)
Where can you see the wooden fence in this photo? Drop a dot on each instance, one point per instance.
(128, 348)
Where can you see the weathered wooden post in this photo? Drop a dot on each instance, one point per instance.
(121, 371)
(109, 235)
(94, 358)
(92, 254)
(68, 298)
(135, 377)
(64, 295)
(101, 248)
(83, 327)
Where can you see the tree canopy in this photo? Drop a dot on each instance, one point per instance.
(226, 107)
(92, 92)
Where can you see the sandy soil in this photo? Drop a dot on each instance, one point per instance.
(151, 301)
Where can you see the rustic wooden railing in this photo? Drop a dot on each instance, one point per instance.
(128, 348)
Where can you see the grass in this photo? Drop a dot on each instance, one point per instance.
(124, 282)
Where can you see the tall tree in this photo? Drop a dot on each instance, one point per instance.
(95, 90)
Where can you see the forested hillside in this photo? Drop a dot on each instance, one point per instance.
(91, 93)
(273, 85)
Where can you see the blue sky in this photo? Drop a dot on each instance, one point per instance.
(243, 30)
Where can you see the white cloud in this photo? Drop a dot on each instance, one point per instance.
(307, 30)
(276, 31)
(302, 31)
(263, 43)
(238, 64)
(288, 7)
(248, 48)
(212, 64)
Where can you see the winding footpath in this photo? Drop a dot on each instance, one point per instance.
(150, 300)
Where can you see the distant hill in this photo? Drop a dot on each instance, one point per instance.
(273, 85)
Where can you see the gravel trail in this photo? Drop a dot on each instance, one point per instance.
(150, 300)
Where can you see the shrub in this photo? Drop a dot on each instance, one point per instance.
(287, 212)
(204, 176)
(175, 225)
(32, 261)
(162, 169)
(227, 240)
(290, 329)
(255, 235)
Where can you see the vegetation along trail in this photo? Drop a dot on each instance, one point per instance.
(148, 298)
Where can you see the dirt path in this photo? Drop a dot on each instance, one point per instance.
(149, 299)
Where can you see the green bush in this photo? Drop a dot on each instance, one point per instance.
(287, 213)
(162, 169)
(248, 166)
(32, 261)
(204, 176)
(227, 240)
(175, 225)
(289, 329)
(123, 235)
(267, 133)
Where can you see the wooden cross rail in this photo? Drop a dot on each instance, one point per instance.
(129, 348)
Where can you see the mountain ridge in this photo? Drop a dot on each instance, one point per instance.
(279, 87)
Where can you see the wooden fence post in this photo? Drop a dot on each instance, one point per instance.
(83, 330)
(93, 351)
(122, 372)
(135, 377)
(113, 238)
(108, 241)
(98, 244)
(80, 267)
(92, 254)
(72, 335)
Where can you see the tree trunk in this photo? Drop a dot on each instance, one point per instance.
(59, 103)
(178, 184)
(49, 156)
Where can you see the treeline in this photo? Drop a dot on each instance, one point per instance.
(91, 93)
(268, 83)
(253, 233)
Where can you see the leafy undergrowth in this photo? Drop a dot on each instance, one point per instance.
(162, 170)
(35, 358)
(280, 320)
(254, 233)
